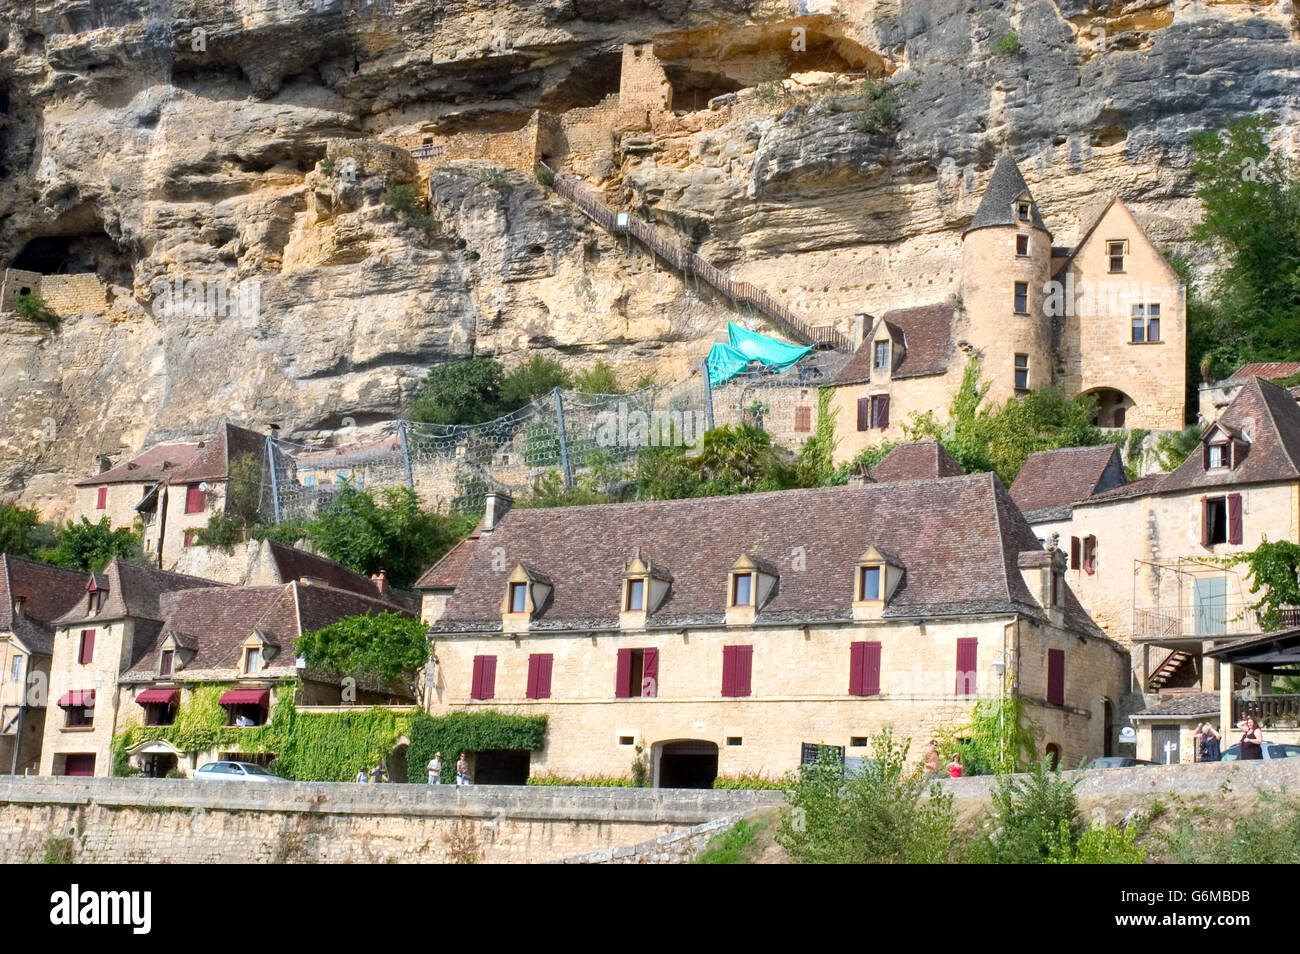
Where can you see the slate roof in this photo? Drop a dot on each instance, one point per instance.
(996, 207)
(1054, 479)
(132, 590)
(1150, 484)
(916, 460)
(48, 592)
(289, 563)
(1270, 418)
(184, 462)
(447, 571)
(215, 622)
(926, 331)
(1184, 704)
(958, 540)
(1272, 371)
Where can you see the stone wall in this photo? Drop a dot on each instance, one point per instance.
(173, 820)
(64, 294)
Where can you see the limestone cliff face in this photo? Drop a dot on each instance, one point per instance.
(156, 140)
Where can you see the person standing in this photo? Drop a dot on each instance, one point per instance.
(932, 759)
(361, 777)
(1252, 739)
(954, 767)
(377, 773)
(1210, 740)
(435, 769)
(462, 770)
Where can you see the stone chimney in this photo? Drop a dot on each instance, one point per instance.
(380, 580)
(495, 506)
(862, 323)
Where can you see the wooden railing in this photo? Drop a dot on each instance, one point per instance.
(1223, 619)
(1268, 709)
(686, 261)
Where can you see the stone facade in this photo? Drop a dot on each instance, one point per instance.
(64, 294)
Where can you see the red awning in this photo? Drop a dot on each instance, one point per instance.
(163, 697)
(78, 699)
(246, 697)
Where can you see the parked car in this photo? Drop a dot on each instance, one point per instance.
(1116, 761)
(236, 772)
(1271, 750)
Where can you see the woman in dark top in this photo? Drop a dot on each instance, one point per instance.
(1209, 743)
(1251, 740)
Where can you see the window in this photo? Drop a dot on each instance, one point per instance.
(737, 670)
(1146, 323)
(518, 597)
(252, 660)
(1022, 298)
(156, 713)
(245, 715)
(485, 678)
(635, 596)
(165, 662)
(86, 651)
(869, 583)
(1115, 253)
(1218, 456)
(1056, 677)
(627, 740)
(101, 498)
(539, 675)
(864, 669)
(864, 414)
(742, 586)
(79, 717)
(1089, 561)
(1023, 211)
(858, 741)
(637, 674)
(195, 499)
(309, 480)
(1022, 246)
(803, 419)
(967, 658)
(16, 669)
(880, 411)
(882, 356)
(735, 740)
(1022, 372)
(1221, 520)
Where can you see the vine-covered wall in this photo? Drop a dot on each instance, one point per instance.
(468, 732)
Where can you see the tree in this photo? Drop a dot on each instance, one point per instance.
(90, 546)
(1272, 567)
(460, 392)
(534, 378)
(18, 526)
(387, 646)
(244, 488)
(886, 814)
(391, 534)
(600, 378)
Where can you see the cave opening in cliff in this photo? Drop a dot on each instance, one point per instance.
(586, 84)
(78, 252)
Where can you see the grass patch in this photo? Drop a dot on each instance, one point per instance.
(735, 846)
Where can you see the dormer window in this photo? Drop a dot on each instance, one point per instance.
(645, 586)
(519, 597)
(882, 356)
(635, 601)
(252, 660)
(876, 575)
(869, 582)
(742, 589)
(1218, 456)
(1023, 211)
(165, 661)
(749, 587)
(527, 591)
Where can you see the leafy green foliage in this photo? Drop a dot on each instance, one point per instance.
(459, 732)
(90, 546)
(537, 376)
(883, 815)
(1272, 567)
(1099, 845)
(544, 175)
(750, 782)
(494, 178)
(880, 109)
(287, 532)
(400, 197)
(1008, 44)
(998, 739)
(223, 531)
(460, 392)
(32, 307)
(391, 534)
(1034, 816)
(600, 378)
(1173, 449)
(1250, 196)
(389, 646)
(1268, 834)
(815, 465)
(733, 459)
(583, 781)
(18, 530)
(733, 846)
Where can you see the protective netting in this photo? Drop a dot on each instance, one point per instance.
(561, 436)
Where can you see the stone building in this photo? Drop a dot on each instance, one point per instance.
(32, 596)
(1107, 318)
(168, 490)
(1149, 558)
(725, 636)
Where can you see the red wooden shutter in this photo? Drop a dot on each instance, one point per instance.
(1234, 518)
(193, 499)
(101, 498)
(871, 669)
(857, 651)
(967, 657)
(650, 673)
(728, 670)
(1205, 522)
(477, 682)
(489, 677)
(87, 646)
(623, 675)
(531, 691)
(864, 414)
(744, 670)
(1074, 553)
(803, 419)
(882, 411)
(544, 675)
(1056, 677)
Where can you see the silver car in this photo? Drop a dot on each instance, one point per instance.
(236, 772)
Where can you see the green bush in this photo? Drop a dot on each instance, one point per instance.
(750, 782)
(224, 531)
(91, 546)
(880, 111)
(386, 646)
(460, 392)
(400, 197)
(1008, 44)
(1032, 817)
(493, 177)
(544, 175)
(459, 732)
(32, 307)
(1099, 845)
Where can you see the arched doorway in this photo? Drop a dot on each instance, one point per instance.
(685, 763)
(1053, 756)
(397, 769)
(155, 758)
(1113, 407)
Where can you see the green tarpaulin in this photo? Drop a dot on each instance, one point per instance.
(725, 361)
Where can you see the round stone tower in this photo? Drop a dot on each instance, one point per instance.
(1006, 265)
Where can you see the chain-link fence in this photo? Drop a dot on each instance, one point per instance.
(561, 436)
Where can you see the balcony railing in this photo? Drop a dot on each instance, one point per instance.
(1207, 620)
(1268, 709)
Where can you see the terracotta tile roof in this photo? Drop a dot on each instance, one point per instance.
(1184, 704)
(996, 207)
(1272, 371)
(927, 333)
(446, 572)
(153, 464)
(133, 590)
(1141, 487)
(958, 540)
(1057, 478)
(289, 564)
(1270, 418)
(185, 462)
(47, 591)
(916, 460)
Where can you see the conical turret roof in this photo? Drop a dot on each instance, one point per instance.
(998, 205)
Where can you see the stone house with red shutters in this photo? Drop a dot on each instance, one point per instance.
(168, 490)
(1152, 554)
(732, 635)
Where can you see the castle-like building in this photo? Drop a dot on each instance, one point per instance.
(1107, 318)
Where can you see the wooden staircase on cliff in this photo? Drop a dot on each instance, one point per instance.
(687, 262)
(1165, 668)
